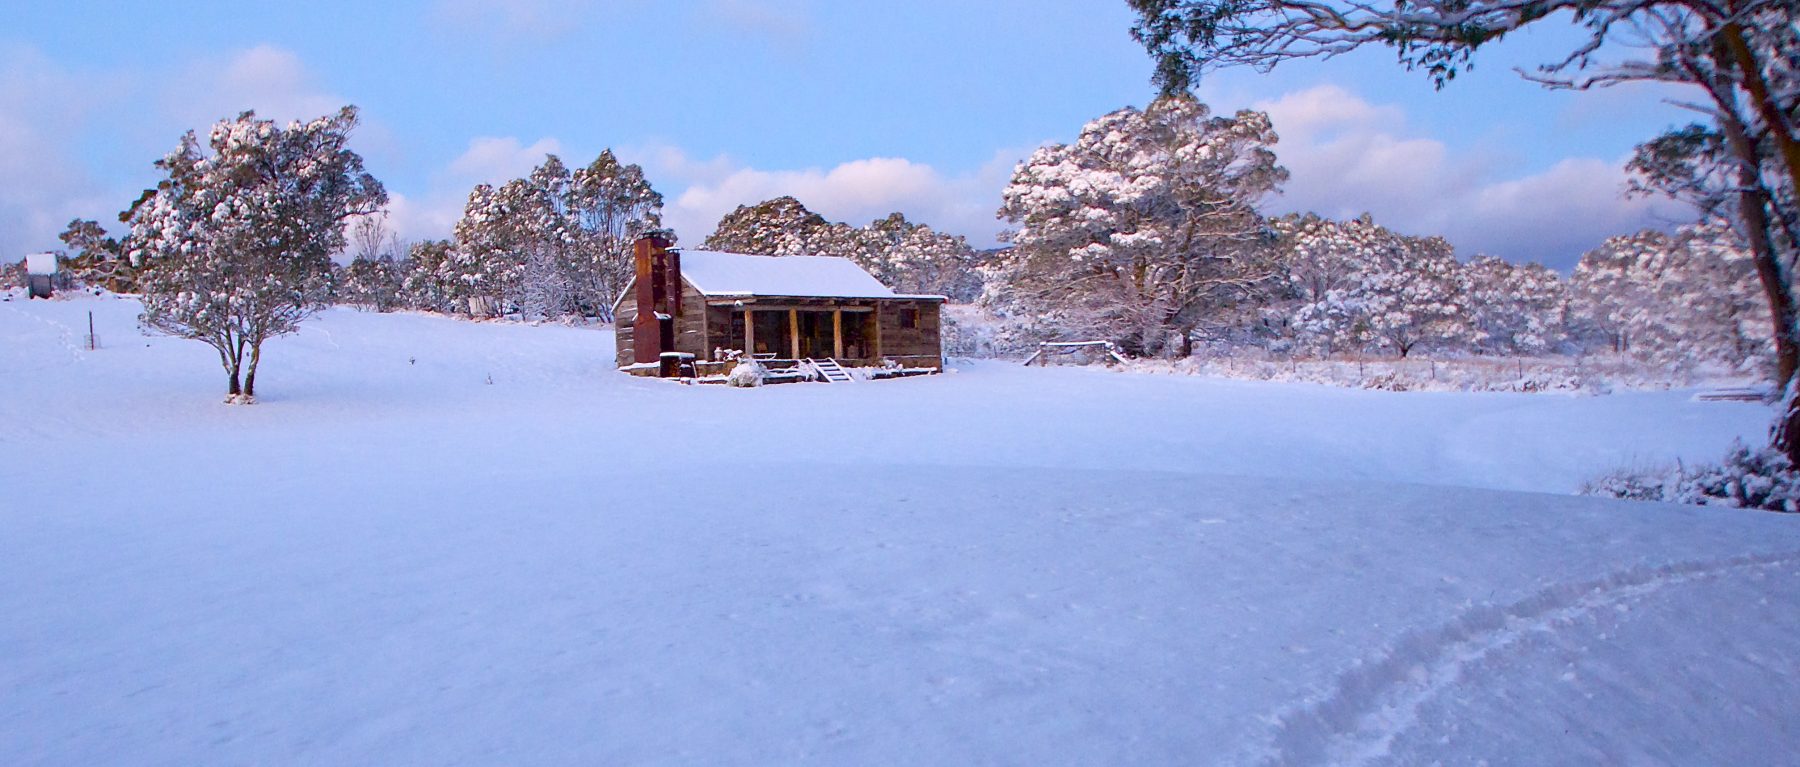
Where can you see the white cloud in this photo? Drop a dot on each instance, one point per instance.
(487, 160)
(856, 192)
(428, 218)
(494, 160)
(47, 110)
(43, 180)
(697, 192)
(269, 80)
(1348, 156)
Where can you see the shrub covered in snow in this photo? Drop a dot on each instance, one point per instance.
(1748, 478)
(1629, 484)
(747, 373)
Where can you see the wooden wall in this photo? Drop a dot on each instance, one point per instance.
(690, 324)
(918, 346)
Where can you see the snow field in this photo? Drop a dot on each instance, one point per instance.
(390, 560)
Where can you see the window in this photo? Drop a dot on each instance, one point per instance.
(909, 317)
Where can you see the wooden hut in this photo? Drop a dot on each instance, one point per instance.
(701, 306)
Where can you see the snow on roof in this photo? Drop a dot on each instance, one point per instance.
(735, 274)
(40, 263)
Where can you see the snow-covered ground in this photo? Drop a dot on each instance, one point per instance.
(392, 560)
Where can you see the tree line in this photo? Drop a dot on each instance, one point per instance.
(1736, 61)
(1145, 231)
(557, 245)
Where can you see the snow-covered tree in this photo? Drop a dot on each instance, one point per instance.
(1142, 229)
(913, 258)
(1352, 284)
(428, 283)
(907, 256)
(1612, 290)
(376, 284)
(512, 245)
(481, 263)
(556, 243)
(1740, 58)
(1694, 165)
(1721, 291)
(779, 227)
(1417, 301)
(374, 278)
(613, 205)
(545, 233)
(1679, 299)
(1323, 264)
(235, 243)
(1514, 308)
(96, 258)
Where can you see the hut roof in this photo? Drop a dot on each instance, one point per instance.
(40, 263)
(735, 274)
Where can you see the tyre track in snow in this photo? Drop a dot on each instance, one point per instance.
(1379, 699)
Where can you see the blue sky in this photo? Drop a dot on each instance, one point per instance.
(856, 108)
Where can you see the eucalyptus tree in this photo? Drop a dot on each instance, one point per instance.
(234, 244)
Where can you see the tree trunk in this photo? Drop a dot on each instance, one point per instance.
(1753, 211)
(250, 374)
(1758, 87)
(1782, 435)
(230, 362)
(1753, 200)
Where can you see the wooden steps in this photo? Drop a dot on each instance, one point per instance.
(829, 370)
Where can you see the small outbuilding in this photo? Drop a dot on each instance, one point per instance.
(40, 275)
(705, 307)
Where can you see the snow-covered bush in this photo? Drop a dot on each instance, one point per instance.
(1748, 478)
(1628, 484)
(12, 275)
(1388, 382)
(747, 373)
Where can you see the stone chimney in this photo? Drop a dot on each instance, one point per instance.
(658, 298)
